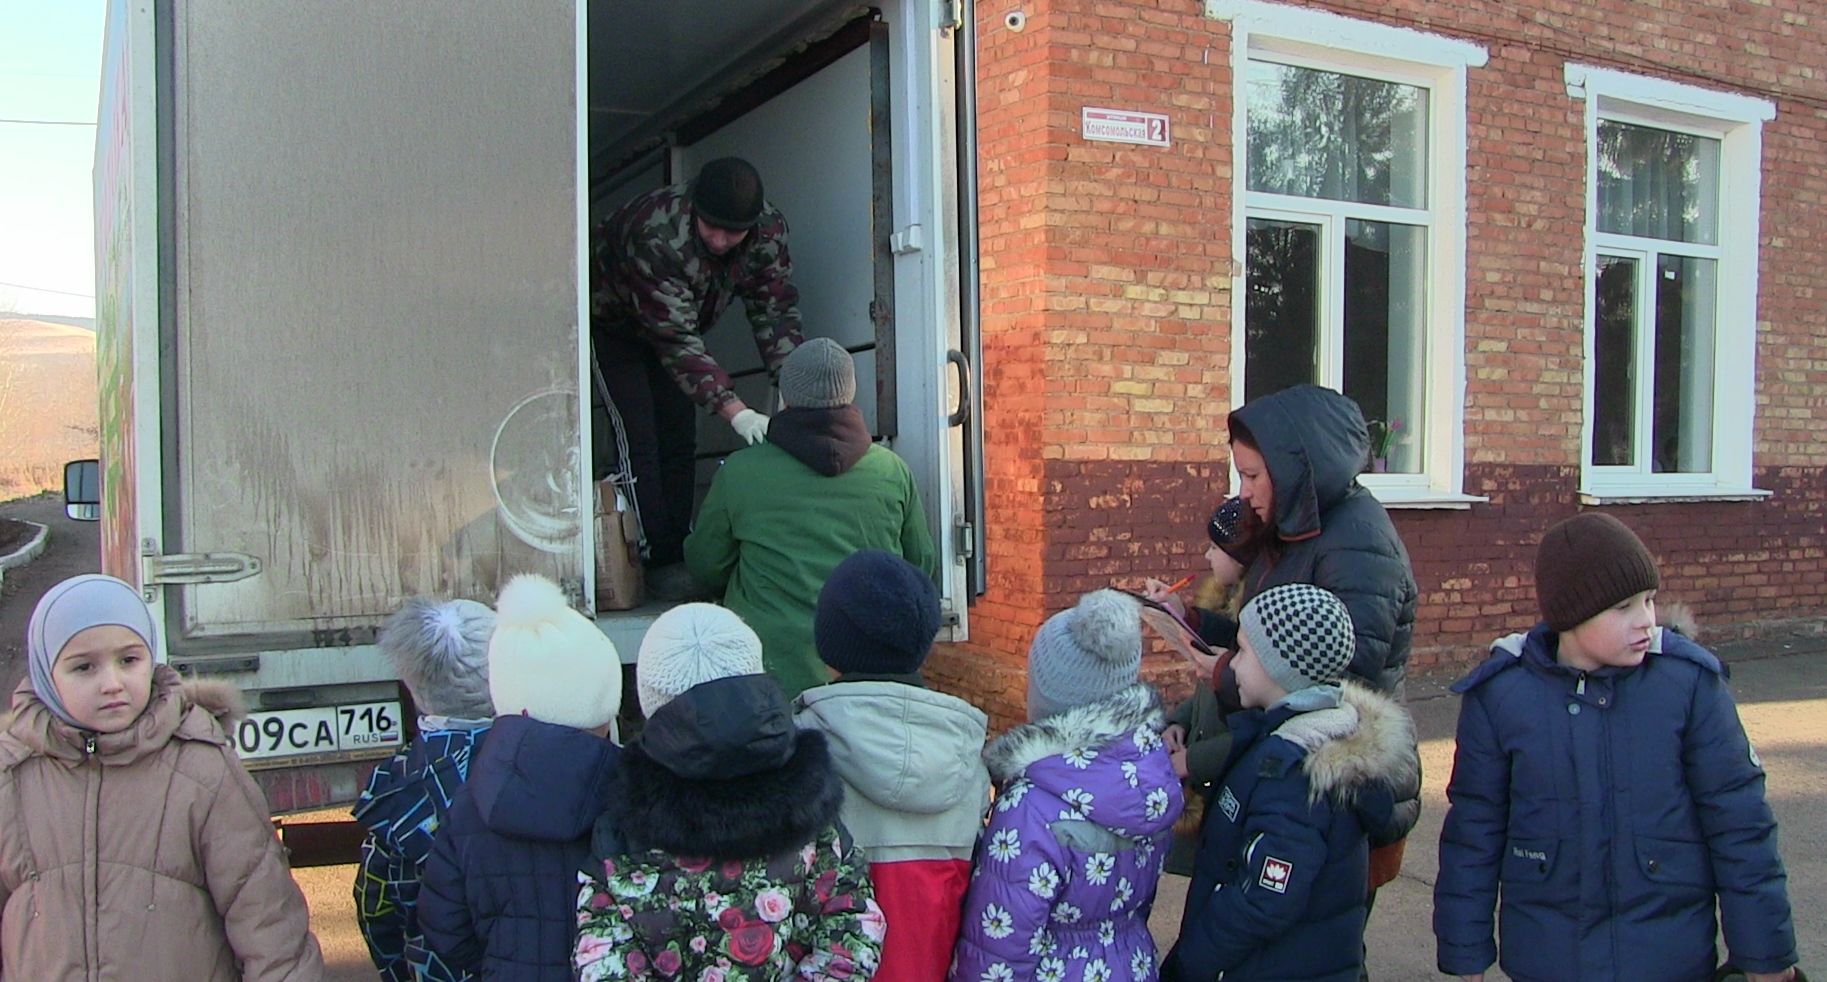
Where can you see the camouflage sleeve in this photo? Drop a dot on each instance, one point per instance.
(767, 290)
(666, 317)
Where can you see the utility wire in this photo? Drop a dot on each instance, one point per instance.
(46, 289)
(46, 122)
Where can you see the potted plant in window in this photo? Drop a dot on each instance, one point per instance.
(1383, 438)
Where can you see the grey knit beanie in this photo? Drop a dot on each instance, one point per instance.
(1301, 634)
(1087, 653)
(819, 374)
(440, 651)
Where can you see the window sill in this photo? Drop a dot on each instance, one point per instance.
(1423, 498)
(1661, 496)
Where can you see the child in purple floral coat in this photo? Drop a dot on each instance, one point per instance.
(1066, 870)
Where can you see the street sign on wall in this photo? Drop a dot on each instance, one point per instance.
(1123, 126)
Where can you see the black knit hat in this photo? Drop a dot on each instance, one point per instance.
(1587, 563)
(1232, 528)
(877, 613)
(727, 193)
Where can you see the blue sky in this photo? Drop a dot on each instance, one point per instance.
(50, 71)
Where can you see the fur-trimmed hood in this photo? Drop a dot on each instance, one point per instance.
(196, 709)
(748, 817)
(1104, 759)
(1366, 740)
(1091, 725)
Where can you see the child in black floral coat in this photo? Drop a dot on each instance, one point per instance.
(734, 867)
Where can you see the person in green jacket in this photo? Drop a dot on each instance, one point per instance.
(781, 515)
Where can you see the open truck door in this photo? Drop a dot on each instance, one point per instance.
(354, 369)
(852, 115)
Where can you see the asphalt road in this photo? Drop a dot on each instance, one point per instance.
(1783, 700)
(71, 548)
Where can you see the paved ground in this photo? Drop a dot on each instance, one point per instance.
(1783, 701)
(70, 548)
(1782, 698)
(1781, 687)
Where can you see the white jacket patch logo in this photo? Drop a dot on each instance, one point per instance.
(1228, 803)
(1275, 874)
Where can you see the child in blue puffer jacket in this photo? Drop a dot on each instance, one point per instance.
(1281, 885)
(440, 653)
(1604, 797)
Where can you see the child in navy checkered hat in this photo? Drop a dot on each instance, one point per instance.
(1281, 882)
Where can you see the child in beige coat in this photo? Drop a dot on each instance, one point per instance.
(136, 845)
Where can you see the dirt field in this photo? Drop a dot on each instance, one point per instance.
(47, 403)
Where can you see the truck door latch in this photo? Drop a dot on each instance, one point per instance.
(182, 568)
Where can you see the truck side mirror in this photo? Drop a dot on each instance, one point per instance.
(82, 490)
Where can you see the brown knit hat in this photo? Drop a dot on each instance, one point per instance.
(1587, 563)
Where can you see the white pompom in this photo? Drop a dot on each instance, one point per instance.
(529, 599)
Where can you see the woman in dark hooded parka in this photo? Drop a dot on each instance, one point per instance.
(1298, 453)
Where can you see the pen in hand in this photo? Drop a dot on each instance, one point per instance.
(1176, 586)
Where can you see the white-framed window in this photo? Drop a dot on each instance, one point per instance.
(1673, 188)
(1349, 229)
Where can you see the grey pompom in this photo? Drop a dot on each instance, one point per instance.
(1107, 624)
(440, 650)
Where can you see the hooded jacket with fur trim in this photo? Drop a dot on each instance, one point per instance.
(1280, 886)
(1067, 868)
(147, 853)
(734, 862)
(1612, 812)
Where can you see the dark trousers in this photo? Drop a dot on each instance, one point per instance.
(662, 426)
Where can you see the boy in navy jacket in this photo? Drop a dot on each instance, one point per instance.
(1281, 883)
(1604, 796)
(500, 886)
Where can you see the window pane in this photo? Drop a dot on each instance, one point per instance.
(1326, 135)
(1385, 336)
(1281, 311)
(1685, 290)
(1614, 367)
(1658, 184)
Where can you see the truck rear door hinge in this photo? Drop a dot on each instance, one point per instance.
(964, 539)
(951, 15)
(182, 568)
(908, 240)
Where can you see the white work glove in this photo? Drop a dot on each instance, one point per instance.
(750, 425)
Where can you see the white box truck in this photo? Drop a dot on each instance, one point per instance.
(342, 313)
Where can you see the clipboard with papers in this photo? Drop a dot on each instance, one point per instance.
(1179, 635)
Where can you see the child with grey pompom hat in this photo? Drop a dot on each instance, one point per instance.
(1085, 653)
(439, 649)
(1086, 803)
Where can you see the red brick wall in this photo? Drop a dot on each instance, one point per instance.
(1107, 313)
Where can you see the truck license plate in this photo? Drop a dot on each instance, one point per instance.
(326, 729)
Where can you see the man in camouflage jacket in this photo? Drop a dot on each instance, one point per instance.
(664, 267)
